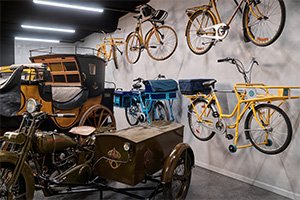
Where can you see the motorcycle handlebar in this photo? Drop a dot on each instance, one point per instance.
(67, 115)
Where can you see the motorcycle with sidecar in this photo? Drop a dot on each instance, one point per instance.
(85, 160)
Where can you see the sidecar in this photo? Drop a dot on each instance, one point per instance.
(154, 153)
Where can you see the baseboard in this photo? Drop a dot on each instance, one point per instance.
(260, 184)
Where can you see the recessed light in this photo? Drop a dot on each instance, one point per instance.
(37, 39)
(64, 5)
(48, 28)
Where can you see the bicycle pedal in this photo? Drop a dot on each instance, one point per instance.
(229, 136)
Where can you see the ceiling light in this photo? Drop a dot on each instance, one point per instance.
(64, 5)
(48, 28)
(36, 39)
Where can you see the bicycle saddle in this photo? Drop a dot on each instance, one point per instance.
(209, 83)
(136, 86)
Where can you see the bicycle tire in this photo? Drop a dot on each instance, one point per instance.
(130, 49)
(199, 45)
(259, 31)
(131, 114)
(198, 103)
(269, 141)
(101, 54)
(115, 56)
(159, 112)
(166, 47)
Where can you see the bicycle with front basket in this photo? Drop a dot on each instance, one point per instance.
(160, 41)
(263, 23)
(266, 125)
(110, 49)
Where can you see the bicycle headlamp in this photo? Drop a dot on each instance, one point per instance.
(32, 105)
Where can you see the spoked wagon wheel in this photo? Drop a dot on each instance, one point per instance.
(181, 178)
(99, 117)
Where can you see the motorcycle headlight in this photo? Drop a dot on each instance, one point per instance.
(32, 105)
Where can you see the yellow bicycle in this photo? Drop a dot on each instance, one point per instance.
(266, 125)
(160, 41)
(109, 49)
(263, 23)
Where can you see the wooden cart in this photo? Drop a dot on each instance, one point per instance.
(154, 153)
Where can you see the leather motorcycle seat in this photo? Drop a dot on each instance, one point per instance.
(82, 130)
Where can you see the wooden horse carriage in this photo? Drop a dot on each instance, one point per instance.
(62, 83)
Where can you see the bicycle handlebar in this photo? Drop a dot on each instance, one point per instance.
(223, 60)
(138, 79)
(240, 67)
(161, 76)
(228, 59)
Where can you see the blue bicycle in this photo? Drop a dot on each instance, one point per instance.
(148, 100)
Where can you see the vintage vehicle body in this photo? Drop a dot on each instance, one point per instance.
(83, 159)
(62, 83)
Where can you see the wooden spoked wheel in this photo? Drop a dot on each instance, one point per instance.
(99, 117)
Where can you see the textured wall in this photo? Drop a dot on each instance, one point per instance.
(279, 65)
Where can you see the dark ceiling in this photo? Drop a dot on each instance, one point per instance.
(14, 13)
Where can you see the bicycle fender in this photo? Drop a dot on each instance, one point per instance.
(12, 158)
(170, 162)
(202, 8)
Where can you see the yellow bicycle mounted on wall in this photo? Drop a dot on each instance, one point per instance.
(110, 49)
(267, 126)
(160, 41)
(263, 22)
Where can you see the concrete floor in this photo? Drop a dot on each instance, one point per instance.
(205, 185)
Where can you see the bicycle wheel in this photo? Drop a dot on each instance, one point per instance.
(159, 112)
(132, 114)
(161, 42)
(196, 32)
(101, 53)
(201, 127)
(117, 54)
(133, 48)
(265, 25)
(276, 133)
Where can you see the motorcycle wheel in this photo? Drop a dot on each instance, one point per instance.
(18, 190)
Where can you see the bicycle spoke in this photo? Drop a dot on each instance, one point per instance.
(277, 134)
(196, 39)
(266, 22)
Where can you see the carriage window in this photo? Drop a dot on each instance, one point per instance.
(92, 69)
(56, 67)
(73, 78)
(70, 66)
(59, 78)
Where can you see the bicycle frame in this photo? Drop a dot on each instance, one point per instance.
(139, 31)
(244, 104)
(110, 42)
(146, 104)
(213, 4)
